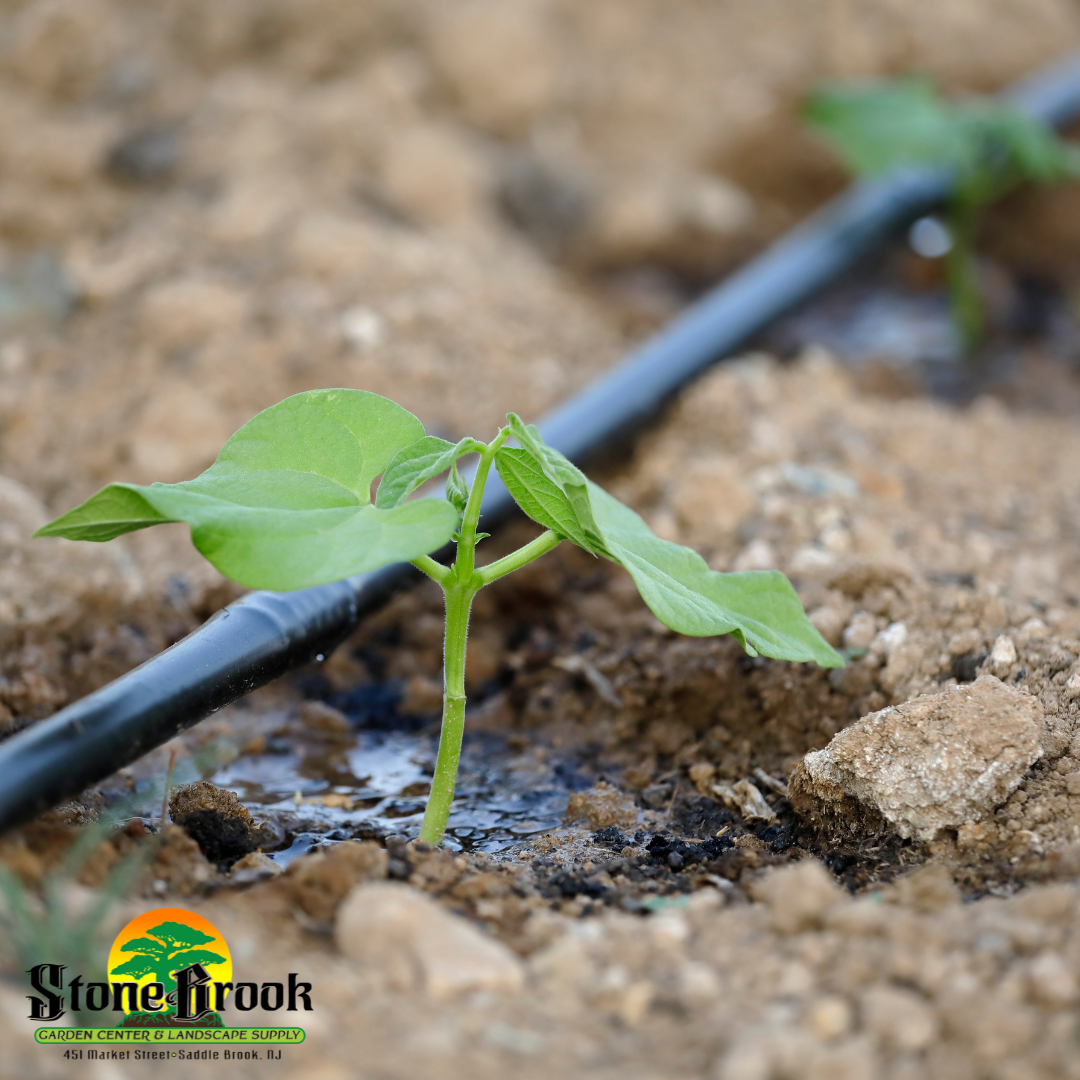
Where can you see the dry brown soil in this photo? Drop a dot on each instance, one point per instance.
(205, 206)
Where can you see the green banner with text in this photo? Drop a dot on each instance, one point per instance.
(251, 1036)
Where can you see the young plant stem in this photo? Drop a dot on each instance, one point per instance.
(460, 583)
(962, 275)
(440, 801)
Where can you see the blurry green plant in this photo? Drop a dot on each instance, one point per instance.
(288, 505)
(989, 147)
(59, 925)
(60, 922)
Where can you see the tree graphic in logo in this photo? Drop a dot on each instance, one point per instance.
(163, 951)
(167, 949)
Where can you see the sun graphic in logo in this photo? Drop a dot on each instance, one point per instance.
(158, 943)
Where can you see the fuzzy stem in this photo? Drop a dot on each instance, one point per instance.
(458, 602)
(545, 542)
(434, 570)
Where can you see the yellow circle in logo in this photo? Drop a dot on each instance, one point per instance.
(158, 943)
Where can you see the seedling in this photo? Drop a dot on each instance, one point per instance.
(288, 505)
(989, 147)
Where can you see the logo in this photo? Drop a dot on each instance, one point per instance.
(163, 959)
(170, 980)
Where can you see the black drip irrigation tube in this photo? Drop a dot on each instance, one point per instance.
(264, 635)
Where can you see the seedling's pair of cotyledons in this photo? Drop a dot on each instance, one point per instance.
(287, 505)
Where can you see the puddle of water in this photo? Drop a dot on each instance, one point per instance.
(378, 788)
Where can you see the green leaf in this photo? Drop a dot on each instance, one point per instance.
(874, 126)
(1015, 147)
(542, 499)
(562, 475)
(287, 503)
(760, 608)
(457, 491)
(417, 462)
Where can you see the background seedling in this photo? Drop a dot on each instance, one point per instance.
(989, 147)
(288, 504)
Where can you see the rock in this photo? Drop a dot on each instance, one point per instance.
(861, 631)
(746, 798)
(498, 60)
(429, 175)
(329, 722)
(1032, 630)
(1003, 654)
(413, 940)
(656, 213)
(1071, 690)
(330, 245)
(936, 762)
(830, 1017)
(902, 1019)
(859, 575)
(187, 311)
(828, 621)
(798, 895)
(146, 155)
(255, 866)
(545, 196)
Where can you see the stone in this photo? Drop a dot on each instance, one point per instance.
(187, 311)
(828, 621)
(255, 866)
(146, 155)
(498, 60)
(937, 762)
(830, 1017)
(326, 720)
(429, 175)
(1003, 654)
(901, 1018)
(746, 797)
(1072, 687)
(403, 931)
(861, 631)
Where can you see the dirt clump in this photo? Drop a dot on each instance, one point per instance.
(936, 762)
(318, 883)
(216, 819)
(413, 940)
(601, 806)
